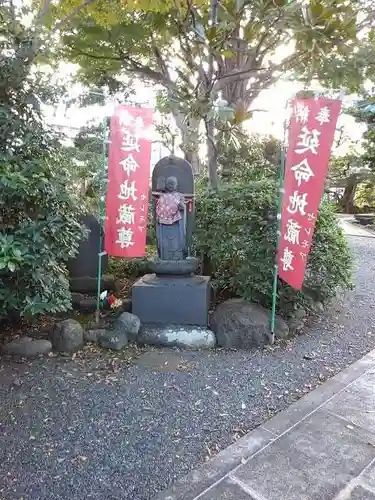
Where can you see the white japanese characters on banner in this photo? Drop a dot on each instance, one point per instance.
(128, 182)
(311, 133)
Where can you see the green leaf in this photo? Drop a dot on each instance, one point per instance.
(228, 54)
(17, 253)
(11, 266)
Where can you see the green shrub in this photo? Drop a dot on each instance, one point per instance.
(127, 268)
(131, 268)
(236, 235)
(39, 228)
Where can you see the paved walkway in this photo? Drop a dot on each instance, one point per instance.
(320, 448)
(348, 224)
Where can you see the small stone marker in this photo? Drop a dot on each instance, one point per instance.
(113, 340)
(84, 267)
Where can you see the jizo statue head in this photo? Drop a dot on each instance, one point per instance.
(171, 184)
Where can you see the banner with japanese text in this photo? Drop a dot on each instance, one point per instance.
(311, 132)
(129, 161)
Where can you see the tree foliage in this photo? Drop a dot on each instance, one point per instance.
(355, 172)
(364, 112)
(250, 158)
(202, 50)
(181, 39)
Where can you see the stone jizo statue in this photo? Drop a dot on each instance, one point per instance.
(172, 293)
(173, 196)
(171, 222)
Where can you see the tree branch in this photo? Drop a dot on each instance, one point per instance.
(245, 73)
(237, 76)
(45, 5)
(68, 18)
(183, 39)
(96, 56)
(12, 12)
(148, 72)
(136, 67)
(162, 65)
(36, 42)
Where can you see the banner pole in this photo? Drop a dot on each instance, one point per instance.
(278, 226)
(101, 218)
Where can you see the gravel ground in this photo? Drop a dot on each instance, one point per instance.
(126, 428)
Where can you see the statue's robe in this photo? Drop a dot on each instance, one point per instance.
(170, 226)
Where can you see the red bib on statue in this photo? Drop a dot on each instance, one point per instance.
(167, 208)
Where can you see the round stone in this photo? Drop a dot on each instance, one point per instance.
(239, 324)
(113, 340)
(127, 324)
(27, 347)
(93, 335)
(67, 336)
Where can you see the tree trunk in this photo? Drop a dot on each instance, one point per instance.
(189, 128)
(347, 200)
(193, 158)
(211, 154)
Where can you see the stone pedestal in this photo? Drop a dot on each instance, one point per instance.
(182, 300)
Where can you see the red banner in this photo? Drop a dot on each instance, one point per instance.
(311, 132)
(128, 182)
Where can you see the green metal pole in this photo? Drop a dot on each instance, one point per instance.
(101, 217)
(278, 227)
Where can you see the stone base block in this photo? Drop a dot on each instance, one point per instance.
(172, 300)
(184, 337)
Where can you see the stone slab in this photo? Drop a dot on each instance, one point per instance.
(368, 477)
(320, 396)
(360, 493)
(172, 300)
(303, 407)
(196, 482)
(313, 461)
(357, 402)
(226, 490)
(86, 262)
(352, 229)
(86, 284)
(354, 371)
